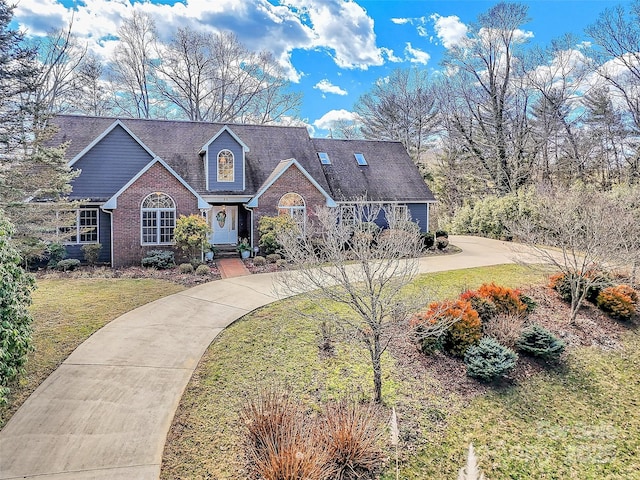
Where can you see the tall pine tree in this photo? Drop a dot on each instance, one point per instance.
(34, 177)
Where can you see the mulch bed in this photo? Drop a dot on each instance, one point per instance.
(171, 275)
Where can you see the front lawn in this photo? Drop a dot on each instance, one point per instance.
(66, 312)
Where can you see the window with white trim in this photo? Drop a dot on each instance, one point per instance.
(225, 166)
(85, 227)
(294, 205)
(158, 219)
(348, 215)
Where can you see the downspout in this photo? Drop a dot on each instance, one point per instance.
(250, 210)
(110, 212)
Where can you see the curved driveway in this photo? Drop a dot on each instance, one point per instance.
(105, 412)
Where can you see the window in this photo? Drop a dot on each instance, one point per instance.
(324, 158)
(84, 228)
(293, 205)
(360, 159)
(348, 215)
(396, 213)
(225, 166)
(158, 219)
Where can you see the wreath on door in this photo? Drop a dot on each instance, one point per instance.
(221, 217)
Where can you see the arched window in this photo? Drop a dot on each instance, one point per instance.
(158, 213)
(293, 205)
(225, 166)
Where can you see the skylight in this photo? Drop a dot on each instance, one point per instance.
(324, 158)
(360, 159)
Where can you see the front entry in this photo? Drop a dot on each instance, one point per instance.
(224, 224)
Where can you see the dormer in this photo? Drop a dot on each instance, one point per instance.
(224, 162)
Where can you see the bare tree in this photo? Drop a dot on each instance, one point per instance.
(617, 34)
(360, 268)
(131, 65)
(213, 77)
(485, 98)
(401, 107)
(584, 230)
(92, 96)
(59, 54)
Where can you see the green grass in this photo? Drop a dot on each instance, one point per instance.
(66, 312)
(276, 344)
(581, 422)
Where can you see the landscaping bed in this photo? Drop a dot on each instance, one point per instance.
(525, 426)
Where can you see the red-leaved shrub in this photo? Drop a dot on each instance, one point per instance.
(507, 300)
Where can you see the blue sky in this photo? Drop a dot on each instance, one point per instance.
(333, 50)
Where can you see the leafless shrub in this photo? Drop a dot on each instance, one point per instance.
(505, 328)
(352, 434)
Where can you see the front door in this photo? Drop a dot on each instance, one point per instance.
(224, 224)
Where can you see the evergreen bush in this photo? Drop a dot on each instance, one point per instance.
(537, 341)
(273, 257)
(442, 243)
(159, 259)
(488, 360)
(259, 261)
(55, 252)
(619, 301)
(67, 264)
(203, 270)
(269, 228)
(91, 252)
(185, 268)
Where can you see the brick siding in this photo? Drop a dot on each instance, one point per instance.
(291, 181)
(127, 248)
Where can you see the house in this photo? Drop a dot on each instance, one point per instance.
(138, 176)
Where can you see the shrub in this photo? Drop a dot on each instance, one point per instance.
(259, 261)
(463, 326)
(91, 252)
(185, 268)
(281, 263)
(507, 300)
(442, 234)
(203, 270)
(442, 243)
(191, 235)
(352, 434)
(485, 307)
(529, 303)
(68, 264)
(55, 252)
(15, 318)
(269, 229)
(428, 239)
(159, 259)
(488, 360)
(505, 328)
(273, 257)
(537, 341)
(280, 443)
(619, 301)
(561, 283)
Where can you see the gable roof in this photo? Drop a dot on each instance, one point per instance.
(233, 135)
(112, 203)
(99, 138)
(282, 167)
(389, 176)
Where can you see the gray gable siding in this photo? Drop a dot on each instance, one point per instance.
(108, 166)
(419, 213)
(225, 142)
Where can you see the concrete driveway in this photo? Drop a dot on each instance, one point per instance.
(105, 412)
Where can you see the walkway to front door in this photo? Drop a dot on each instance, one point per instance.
(232, 267)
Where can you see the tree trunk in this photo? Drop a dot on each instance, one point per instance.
(376, 363)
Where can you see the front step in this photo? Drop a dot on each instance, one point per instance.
(226, 251)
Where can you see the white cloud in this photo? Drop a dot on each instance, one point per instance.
(400, 21)
(388, 52)
(327, 87)
(450, 30)
(415, 55)
(329, 119)
(341, 28)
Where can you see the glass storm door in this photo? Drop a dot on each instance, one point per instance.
(224, 223)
